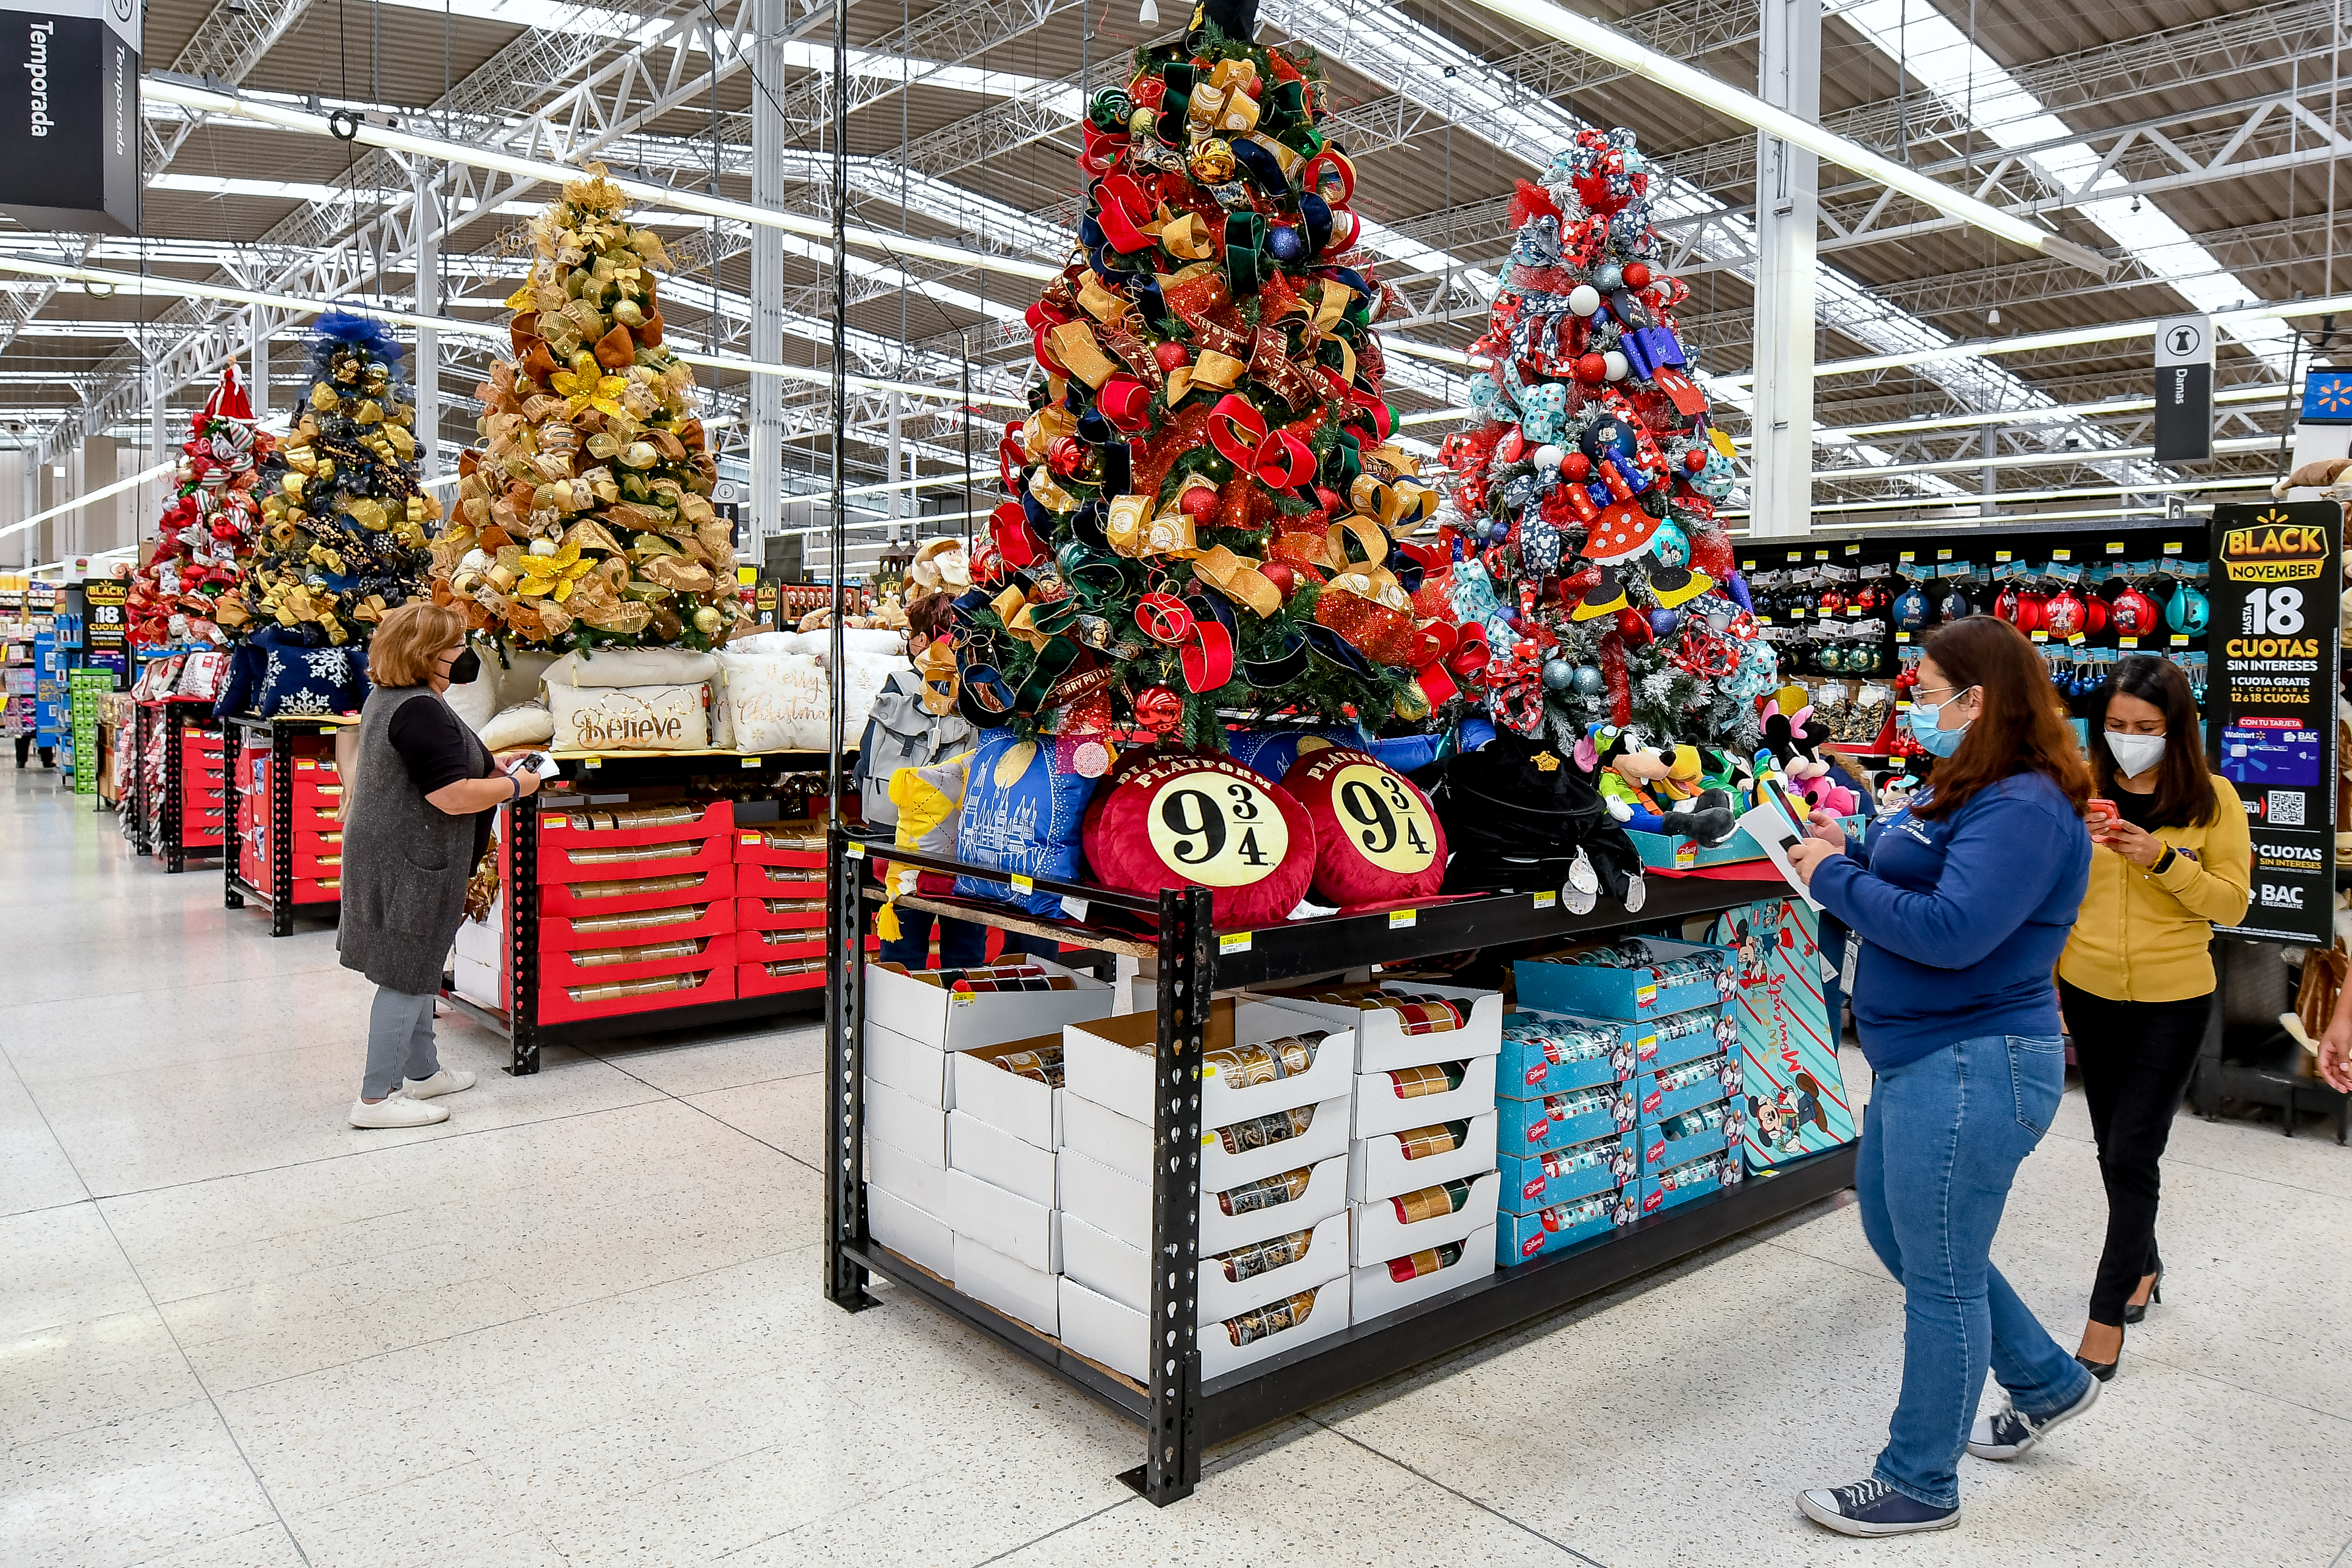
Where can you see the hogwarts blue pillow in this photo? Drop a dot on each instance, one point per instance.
(1019, 817)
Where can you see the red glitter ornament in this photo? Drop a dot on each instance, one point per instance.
(1637, 275)
(1695, 459)
(1279, 573)
(1170, 356)
(1591, 369)
(1198, 503)
(1064, 455)
(1576, 467)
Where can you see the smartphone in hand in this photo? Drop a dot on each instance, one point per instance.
(2103, 814)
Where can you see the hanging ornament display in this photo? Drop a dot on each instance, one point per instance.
(206, 535)
(344, 518)
(1203, 502)
(584, 520)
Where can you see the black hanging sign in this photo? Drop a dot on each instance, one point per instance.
(2184, 389)
(2270, 704)
(69, 114)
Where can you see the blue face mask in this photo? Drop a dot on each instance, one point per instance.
(1926, 720)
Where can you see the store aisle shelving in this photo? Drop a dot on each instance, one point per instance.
(580, 1324)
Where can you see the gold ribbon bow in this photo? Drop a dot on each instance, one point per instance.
(1239, 578)
(1051, 496)
(1013, 608)
(1074, 345)
(1332, 303)
(1185, 236)
(1134, 531)
(1099, 301)
(936, 665)
(1402, 505)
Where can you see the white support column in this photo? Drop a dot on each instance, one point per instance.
(1787, 182)
(29, 472)
(262, 324)
(896, 499)
(767, 326)
(424, 373)
(160, 447)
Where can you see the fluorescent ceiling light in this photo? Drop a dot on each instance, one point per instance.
(186, 95)
(175, 288)
(1604, 42)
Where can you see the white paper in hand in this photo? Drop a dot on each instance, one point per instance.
(1768, 825)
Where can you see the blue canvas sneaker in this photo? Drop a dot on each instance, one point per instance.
(2009, 1432)
(1872, 1508)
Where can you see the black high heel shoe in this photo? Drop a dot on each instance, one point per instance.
(2104, 1371)
(2155, 1294)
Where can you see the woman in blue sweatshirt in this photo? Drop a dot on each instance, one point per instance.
(1962, 901)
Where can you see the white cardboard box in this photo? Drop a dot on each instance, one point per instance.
(1382, 1042)
(1380, 1109)
(1106, 1137)
(1021, 1106)
(1376, 1166)
(903, 1176)
(1105, 1264)
(906, 1230)
(484, 941)
(1110, 1062)
(1029, 1233)
(932, 1016)
(1120, 1206)
(1104, 1330)
(1374, 1293)
(1008, 1285)
(999, 1158)
(478, 981)
(907, 1124)
(1377, 1235)
(913, 1068)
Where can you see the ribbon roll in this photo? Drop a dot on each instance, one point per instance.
(1127, 403)
(1237, 577)
(1123, 211)
(1073, 343)
(1279, 459)
(1124, 527)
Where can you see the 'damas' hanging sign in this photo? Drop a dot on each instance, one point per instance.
(69, 114)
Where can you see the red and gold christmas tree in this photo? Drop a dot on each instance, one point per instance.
(184, 593)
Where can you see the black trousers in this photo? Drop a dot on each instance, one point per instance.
(2137, 1058)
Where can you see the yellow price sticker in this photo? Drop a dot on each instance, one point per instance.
(1547, 900)
(1022, 884)
(591, 762)
(751, 762)
(1401, 918)
(1232, 941)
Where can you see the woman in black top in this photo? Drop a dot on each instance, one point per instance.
(422, 802)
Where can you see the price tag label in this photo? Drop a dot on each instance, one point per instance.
(1821, 555)
(1399, 919)
(2076, 640)
(1796, 555)
(1764, 619)
(1942, 555)
(2172, 547)
(2127, 642)
(751, 762)
(1903, 636)
(1547, 900)
(856, 851)
(2040, 636)
(2062, 554)
(1232, 941)
(1902, 707)
(2001, 555)
(1022, 883)
(1907, 557)
(1748, 565)
(2179, 641)
(1853, 549)
(2114, 547)
(591, 762)
(752, 839)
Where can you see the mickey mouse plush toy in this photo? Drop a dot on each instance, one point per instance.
(1796, 738)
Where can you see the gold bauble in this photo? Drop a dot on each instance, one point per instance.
(1212, 162)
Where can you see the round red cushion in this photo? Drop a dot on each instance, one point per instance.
(1376, 838)
(1179, 820)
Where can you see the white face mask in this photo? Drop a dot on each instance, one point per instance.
(2135, 754)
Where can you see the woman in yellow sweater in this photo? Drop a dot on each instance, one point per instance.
(2136, 980)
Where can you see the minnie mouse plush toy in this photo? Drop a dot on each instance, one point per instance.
(1796, 738)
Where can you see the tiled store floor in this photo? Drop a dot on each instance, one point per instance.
(579, 1323)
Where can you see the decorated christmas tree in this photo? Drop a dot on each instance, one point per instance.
(183, 593)
(1593, 557)
(583, 520)
(1204, 500)
(344, 520)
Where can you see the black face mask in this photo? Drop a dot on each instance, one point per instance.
(466, 668)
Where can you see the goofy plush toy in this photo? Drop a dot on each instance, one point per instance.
(1659, 790)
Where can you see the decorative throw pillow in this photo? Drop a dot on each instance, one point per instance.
(1377, 839)
(1206, 820)
(1019, 816)
(295, 681)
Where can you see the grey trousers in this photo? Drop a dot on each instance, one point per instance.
(399, 1041)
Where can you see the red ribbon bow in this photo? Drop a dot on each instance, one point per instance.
(1279, 458)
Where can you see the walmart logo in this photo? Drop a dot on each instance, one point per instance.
(2327, 398)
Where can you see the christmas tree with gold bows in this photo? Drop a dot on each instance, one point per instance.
(584, 520)
(1204, 501)
(344, 517)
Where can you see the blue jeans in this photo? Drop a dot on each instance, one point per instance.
(1940, 1143)
(963, 944)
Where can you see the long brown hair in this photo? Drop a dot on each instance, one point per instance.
(2023, 727)
(2184, 790)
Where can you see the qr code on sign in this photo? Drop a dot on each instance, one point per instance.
(2285, 809)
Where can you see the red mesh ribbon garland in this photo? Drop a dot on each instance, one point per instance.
(1613, 674)
(1151, 459)
(1384, 635)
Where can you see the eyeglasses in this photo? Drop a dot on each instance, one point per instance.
(1916, 691)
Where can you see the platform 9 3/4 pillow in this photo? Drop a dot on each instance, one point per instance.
(1206, 820)
(1377, 840)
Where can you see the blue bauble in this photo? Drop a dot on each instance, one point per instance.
(1497, 531)
(1589, 682)
(1609, 277)
(1957, 604)
(1559, 675)
(1670, 543)
(1910, 610)
(1287, 246)
(1607, 436)
(1664, 622)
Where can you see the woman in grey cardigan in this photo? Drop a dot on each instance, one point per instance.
(425, 795)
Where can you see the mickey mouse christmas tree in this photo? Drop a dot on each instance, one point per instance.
(1203, 498)
(343, 516)
(184, 594)
(1595, 560)
(583, 522)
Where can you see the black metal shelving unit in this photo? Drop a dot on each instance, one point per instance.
(156, 824)
(1181, 1415)
(581, 774)
(278, 896)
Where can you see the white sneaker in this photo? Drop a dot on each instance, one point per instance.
(397, 1109)
(446, 1082)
